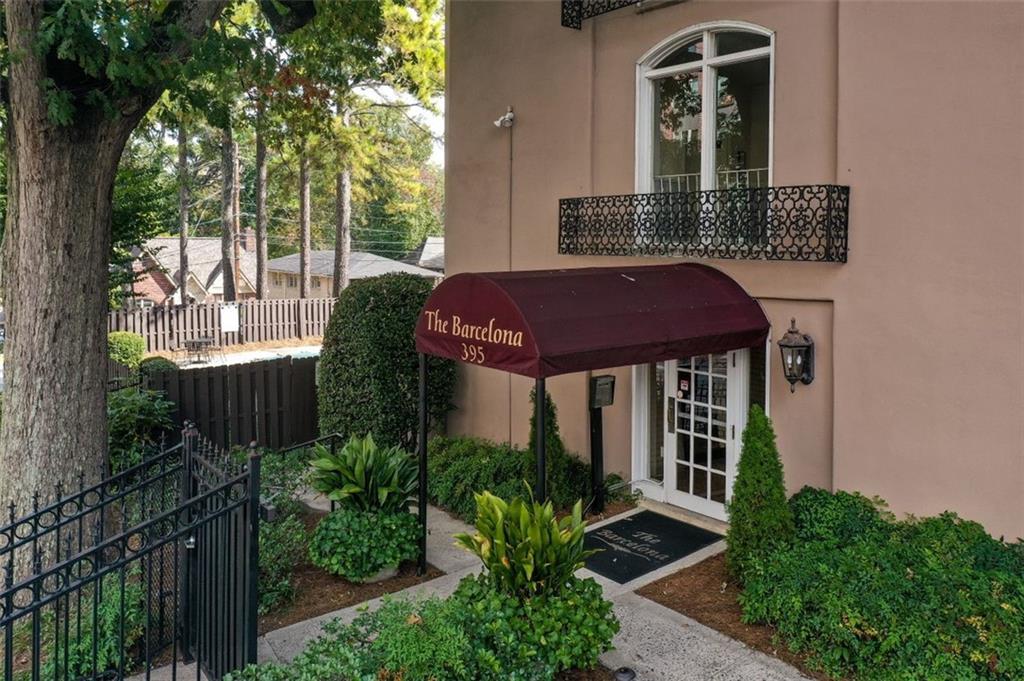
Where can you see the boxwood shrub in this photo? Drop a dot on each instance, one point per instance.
(126, 347)
(868, 597)
(369, 369)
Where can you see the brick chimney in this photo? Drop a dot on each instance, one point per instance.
(247, 240)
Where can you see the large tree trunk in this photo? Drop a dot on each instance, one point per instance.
(304, 236)
(227, 210)
(55, 275)
(183, 199)
(262, 287)
(343, 230)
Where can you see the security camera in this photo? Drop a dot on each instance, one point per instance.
(506, 119)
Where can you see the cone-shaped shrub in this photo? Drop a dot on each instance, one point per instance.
(760, 520)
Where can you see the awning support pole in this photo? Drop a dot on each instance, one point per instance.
(421, 446)
(541, 493)
(597, 458)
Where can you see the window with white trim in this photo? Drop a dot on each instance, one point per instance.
(704, 110)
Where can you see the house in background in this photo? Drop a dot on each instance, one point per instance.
(842, 162)
(429, 254)
(157, 271)
(284, 272)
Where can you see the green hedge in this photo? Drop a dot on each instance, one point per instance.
(460, 467)
(136, 420)
(868, 597)
(369, 368)
(126, 347)
(156, 365)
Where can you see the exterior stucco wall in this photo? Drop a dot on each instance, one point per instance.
(919, 393)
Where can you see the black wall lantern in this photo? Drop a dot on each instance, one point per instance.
(797, 356)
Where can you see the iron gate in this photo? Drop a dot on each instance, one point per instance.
(155, 566)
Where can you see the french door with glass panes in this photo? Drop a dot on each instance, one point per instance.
(706, 400)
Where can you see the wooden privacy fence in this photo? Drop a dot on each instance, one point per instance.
(272, 403)
(167, 328)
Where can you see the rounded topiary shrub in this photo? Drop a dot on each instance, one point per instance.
(126, 347)
(357, 545)
(156, 365)
(369, 369)
(760, 520)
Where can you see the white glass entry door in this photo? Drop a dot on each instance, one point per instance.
(705, 409)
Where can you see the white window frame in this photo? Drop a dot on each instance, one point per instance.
(646, 74)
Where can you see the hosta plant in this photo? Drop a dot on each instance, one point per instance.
(365, 477)
(526, 551)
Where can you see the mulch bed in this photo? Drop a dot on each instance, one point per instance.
(318, 593)
(706, 593)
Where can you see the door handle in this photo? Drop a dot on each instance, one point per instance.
(670, 415)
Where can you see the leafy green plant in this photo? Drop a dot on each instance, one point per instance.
(282, 543)
(369, 368)
(115, 613)
(364, 477)
(126, 347)
(525, 550)
(358, 544)
(536, 638)
(460, 467)
(136, 419)
(936, 598)
(838, 519)
(156, 365)
(759, 518)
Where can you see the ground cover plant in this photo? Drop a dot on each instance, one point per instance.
(866, 596)
(527, 622)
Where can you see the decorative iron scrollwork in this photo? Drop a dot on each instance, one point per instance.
(802, 223)
(575, 11)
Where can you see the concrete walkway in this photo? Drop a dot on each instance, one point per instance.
(658, 643)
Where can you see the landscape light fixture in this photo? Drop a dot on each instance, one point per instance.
(797, 356)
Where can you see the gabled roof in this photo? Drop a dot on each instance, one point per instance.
(204, 260)
(361, 265)
(429, 254)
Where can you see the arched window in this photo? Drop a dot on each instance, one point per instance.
(704, 110)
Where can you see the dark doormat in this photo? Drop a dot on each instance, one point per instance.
(642, 543)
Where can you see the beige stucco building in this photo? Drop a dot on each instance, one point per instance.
(918, 394)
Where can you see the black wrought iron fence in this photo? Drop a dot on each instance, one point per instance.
(154, 566)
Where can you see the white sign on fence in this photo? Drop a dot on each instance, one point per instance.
(229, 318)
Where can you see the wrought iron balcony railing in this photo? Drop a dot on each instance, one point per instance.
(804, 223)
(575, 11)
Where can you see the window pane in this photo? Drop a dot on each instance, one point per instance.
(741, 134)
(677, 107)
(700, 451)
(757, 369)
(700, 482)
(718, 488)
(656, 427)
(690, 52)
(683, 447)
(682, 478)
(729, 42)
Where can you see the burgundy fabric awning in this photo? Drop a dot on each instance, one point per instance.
(548, 322)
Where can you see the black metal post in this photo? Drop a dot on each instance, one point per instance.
(597, 458)
(253, 595)
(541, 493)
(421, 446)
(187, 543)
